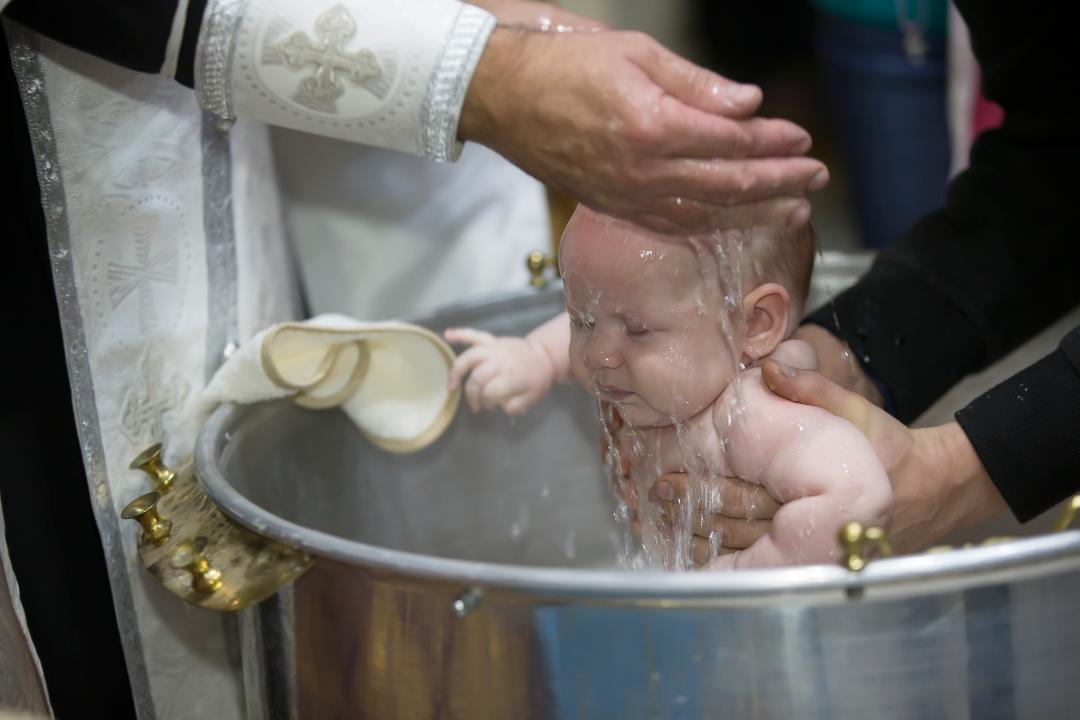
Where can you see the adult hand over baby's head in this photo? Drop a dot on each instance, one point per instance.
(631, 129)
(939, 484)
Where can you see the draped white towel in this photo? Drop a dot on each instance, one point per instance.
(390, 378)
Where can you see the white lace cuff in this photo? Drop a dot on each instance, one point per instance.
(387, 73)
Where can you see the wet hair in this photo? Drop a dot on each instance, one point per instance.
(786, 258)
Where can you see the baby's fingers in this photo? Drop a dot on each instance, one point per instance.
(476, 387)
(463, 363)
(496, 392)
(517, 404)
(468, 336)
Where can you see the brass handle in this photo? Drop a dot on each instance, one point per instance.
(856, 540)
(537, 262)
(1068, 515)
(149, 461)
(143, 509)
(199, 554)
(189, 556)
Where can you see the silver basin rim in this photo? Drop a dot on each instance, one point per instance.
(1010, 562)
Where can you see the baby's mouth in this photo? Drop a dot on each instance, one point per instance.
(610, 392)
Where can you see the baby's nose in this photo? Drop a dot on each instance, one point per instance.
(602, 352)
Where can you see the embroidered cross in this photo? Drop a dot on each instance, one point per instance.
(156, 391)
(149, 267)
(333, 28)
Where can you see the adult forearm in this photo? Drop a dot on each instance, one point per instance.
(941, 487)
(1026, 431)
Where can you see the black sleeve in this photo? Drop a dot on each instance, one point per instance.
(1001, 260)
(1027, 431)
(131, 33)
(997, 264)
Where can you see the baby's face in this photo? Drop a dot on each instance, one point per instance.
(646, 333)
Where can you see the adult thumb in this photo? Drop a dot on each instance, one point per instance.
(810, 387)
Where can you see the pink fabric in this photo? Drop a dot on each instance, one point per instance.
(985, 115)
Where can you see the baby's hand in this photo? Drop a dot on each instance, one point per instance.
(509, 372)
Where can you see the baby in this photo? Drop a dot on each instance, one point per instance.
(650, 332)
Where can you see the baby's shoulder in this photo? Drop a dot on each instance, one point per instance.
(761, 412)
(749, 413)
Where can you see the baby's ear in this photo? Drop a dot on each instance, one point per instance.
(766, 308)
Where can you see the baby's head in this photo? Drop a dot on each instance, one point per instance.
(649, 324)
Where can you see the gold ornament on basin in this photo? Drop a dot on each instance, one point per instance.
(143, 509)
(856, 541)
(188, 556)
(1068, 515)
(198, 553)
(537, 263)
(149, 461)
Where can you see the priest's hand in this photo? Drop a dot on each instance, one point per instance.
(533, 15)
(629, 128)
(939, 483)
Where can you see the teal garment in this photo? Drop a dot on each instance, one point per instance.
(882, 13)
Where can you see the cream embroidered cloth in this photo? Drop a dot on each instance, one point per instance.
(390, 378)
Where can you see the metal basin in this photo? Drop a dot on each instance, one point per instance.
(477, 579)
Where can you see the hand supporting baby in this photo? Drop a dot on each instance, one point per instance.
(743, 514)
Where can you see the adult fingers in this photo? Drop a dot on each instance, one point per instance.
(694, 85)
(701, 551)
(733, 533)
(812, 388)
(730, 497)
(680, 215)
(691, 133)
(738, 182)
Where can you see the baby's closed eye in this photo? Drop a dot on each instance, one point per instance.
(637, 328)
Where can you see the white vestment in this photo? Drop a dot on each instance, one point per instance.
(437, 233)
(167, 246)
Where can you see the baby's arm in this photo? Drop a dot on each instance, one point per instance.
(826, 474)
(511, 372)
